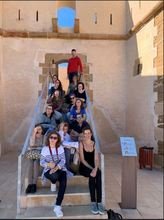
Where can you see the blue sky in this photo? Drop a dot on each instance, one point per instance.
(66, 17)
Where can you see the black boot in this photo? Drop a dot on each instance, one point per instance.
(33, 188)
(29, 188)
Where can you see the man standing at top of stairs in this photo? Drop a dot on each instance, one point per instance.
(74, 66)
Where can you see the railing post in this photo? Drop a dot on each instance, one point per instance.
(19, 182)
(38, 107)
(103, 178)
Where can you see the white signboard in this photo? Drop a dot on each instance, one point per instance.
(128, 146)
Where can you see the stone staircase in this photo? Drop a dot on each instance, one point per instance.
(76, 203)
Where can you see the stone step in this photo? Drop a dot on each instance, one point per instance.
(74, 195)
(72, 181)
(70, 212)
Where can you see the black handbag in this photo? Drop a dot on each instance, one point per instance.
(113, 215)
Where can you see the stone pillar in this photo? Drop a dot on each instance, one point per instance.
(158, 89)
(55, 25)
(76, 26)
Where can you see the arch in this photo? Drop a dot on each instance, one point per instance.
(61, 61)
(70, 4)
(66, 17)
(59, 58)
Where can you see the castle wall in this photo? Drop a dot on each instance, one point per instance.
(46, 11)
(21, 58)
(124, 103)
(85, 11)
(1, 114)
(140, 117)
(159, 88)
(1, 95)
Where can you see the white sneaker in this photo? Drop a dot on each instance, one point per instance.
(53, 187)
(58, 211)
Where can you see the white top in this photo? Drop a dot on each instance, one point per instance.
(64, 137)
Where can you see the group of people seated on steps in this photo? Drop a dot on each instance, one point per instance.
(60, 133)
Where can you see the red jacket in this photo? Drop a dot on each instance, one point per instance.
(74, 65)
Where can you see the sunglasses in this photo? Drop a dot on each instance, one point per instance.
(53, 137)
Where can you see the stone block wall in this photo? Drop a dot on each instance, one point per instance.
(159, 89)
(140, 95)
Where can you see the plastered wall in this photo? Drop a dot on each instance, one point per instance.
(46, 11)
(0, 14)
(1, 104)
(125, 14)
(85, 11)
(137, 10)
(1, 114)
(140, 118)
(123, 103)
(21, 58)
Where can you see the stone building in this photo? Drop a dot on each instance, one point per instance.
(121, 46)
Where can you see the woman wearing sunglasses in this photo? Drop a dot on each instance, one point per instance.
(53, 161)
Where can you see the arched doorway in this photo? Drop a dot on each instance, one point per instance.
(52, 65)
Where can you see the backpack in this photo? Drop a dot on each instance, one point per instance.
(113, 215)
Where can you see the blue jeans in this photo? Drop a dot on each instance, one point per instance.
(71, 75)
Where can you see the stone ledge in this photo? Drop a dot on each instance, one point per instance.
(85, 36)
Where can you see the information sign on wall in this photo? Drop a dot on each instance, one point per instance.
(128, 146)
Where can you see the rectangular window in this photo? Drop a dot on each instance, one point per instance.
(19, 14)
(110, 19)
(137, 67)
(95, 18)
(37, 16)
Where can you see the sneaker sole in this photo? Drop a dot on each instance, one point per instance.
(101, 213)
(95, 213)
(58, 216)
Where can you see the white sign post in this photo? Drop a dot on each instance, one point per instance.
(129, 173)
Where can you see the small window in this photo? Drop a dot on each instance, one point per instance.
(110, 19)
(137, 67)
(95, 18)
(19, 14)
(37, 16)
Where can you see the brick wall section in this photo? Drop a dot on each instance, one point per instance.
(158, 43)
(158, 88)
